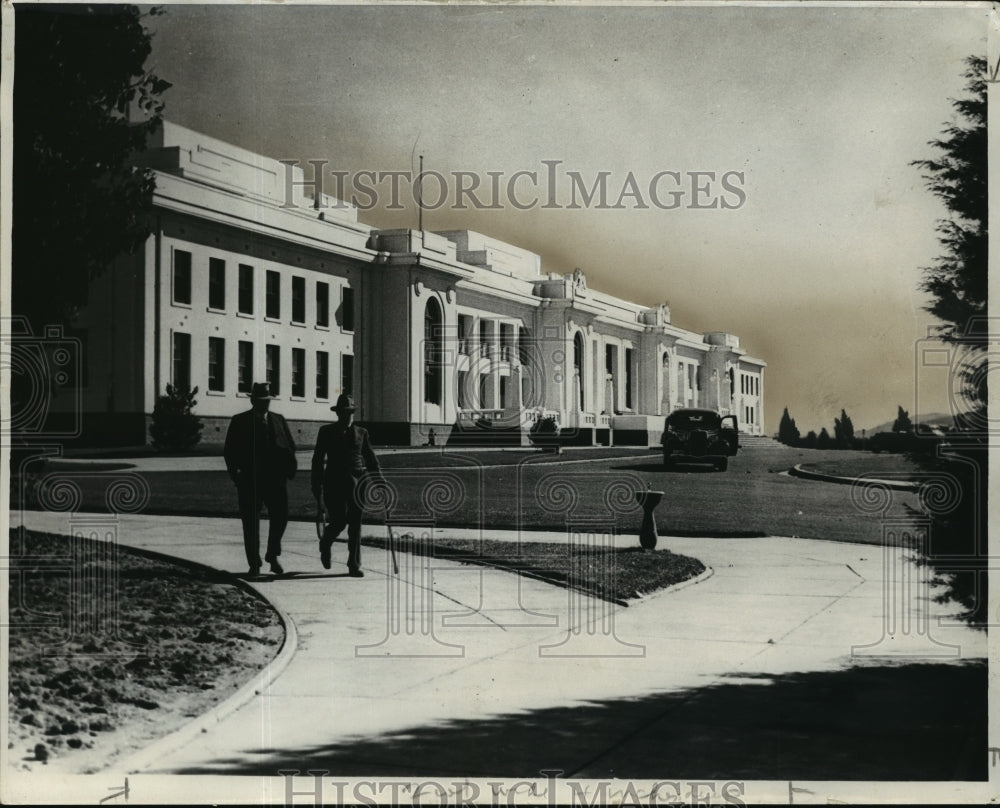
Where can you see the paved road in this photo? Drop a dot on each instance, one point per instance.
(535, 491)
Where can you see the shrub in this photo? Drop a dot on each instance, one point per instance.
(175, 427)
(545, 432)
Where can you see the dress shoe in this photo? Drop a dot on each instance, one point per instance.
(324, 555)
(356, 573)
(254, 571)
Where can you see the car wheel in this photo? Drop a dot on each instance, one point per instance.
(722, 464)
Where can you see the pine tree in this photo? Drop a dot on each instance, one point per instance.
(843, 431)
(788, 433)
(958, 281)
(823, 441)
(902, 422)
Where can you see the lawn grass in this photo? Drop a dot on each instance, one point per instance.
(110, 649)
(613, 574)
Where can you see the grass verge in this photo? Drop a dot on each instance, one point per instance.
(615, 574)
(111, 650)
(871, 464)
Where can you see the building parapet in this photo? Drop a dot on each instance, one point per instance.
(183, 195)
(182, 152)
(722, 339)
(492, 254)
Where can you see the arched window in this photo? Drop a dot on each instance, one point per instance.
(433, 372)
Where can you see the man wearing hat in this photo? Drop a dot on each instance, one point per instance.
(260, 457)
(343, 454)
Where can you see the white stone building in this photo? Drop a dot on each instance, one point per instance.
(451, 333)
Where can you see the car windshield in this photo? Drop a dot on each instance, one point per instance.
(694, 420)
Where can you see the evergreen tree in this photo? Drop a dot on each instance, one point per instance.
(788, 433)
(843, 431)
(823, 441)
(958, 280)
(902, 422)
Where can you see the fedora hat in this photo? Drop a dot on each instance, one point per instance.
(260, 391)
(345, 403)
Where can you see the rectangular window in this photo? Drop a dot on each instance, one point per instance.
(484, 338)
(246, 289)
(628, 378)
(347, 309)
(182, 360)
(298, 300)
(347, 374)
(272, 359)
(245, 360)
(464, 328)
(216, 364)
(299, 372)
(272, 293)
(216, 283)
(322, 304)
(463, 393)
(322, 375)
(182, 277)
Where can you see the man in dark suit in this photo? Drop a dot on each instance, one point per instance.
(343, 454)
(260, 457)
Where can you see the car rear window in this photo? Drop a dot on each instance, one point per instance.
(694, 420)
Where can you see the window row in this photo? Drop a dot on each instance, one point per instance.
(217, 359)
(750, 384)
(245, 292)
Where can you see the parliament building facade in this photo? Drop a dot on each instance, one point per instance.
(442, 337)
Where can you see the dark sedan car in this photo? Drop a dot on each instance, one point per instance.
(700, 436)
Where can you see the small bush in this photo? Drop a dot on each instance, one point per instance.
(545, 433)
(175, 427)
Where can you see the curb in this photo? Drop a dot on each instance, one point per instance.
(898, 485)
(136, 762)
(700, 578)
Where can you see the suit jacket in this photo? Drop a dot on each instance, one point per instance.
(274, 459)
(341, 454)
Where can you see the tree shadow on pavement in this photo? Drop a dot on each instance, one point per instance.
(924, 721)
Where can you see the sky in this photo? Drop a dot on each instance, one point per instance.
(815, 114)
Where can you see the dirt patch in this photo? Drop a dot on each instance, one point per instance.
(110, 649)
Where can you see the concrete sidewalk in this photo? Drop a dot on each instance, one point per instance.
(445, 646)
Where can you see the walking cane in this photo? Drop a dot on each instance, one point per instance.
(392, 541)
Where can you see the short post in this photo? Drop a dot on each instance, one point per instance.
(648, 499)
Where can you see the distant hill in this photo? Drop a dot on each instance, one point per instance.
(935, 418)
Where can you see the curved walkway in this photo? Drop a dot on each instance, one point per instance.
(444, 645)
(799, 470)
